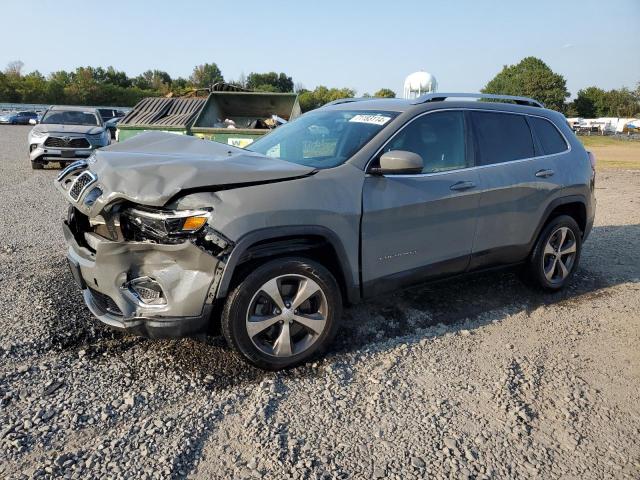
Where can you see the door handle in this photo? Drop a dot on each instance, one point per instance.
(544, 173)
(462, 186)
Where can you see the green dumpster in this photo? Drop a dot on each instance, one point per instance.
(238, 118)
(173, 115)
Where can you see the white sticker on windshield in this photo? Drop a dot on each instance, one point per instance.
(373, 119)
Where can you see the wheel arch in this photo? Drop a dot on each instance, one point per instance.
(573, 205)
(315, 242)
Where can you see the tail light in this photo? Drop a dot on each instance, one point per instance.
(592, 160)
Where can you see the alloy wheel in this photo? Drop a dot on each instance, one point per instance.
(287, 315)
(559, 255)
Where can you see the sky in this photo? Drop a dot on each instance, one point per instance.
(364, 45)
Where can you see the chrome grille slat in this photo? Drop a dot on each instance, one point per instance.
(72, 142)
(81, 183)
(72, 168)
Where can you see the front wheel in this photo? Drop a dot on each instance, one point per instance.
(556, 254)
(283, 313)
(36, 165)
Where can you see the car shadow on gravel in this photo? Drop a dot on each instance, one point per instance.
(482, 298)
(456, 303)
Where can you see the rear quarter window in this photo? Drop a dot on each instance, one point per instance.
(501, 137)
(550, 138)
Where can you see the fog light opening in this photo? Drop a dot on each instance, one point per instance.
(147, 290)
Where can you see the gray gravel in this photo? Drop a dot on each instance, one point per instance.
(475, 378)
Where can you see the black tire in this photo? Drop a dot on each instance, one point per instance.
(246, 295)
(37, 165)
(541, 263)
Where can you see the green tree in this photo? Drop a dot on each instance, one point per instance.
(385, 93)
(206, 75)
(5, 88)
(621, 103)
(11, 81)
(270, 82)
(56, 84)
(594, 102)
(531, 78)
(118, 78)
(153, 80)
(32, 87)
(322, 95)
(8, 92)
(589, 103)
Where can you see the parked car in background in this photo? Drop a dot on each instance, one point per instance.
(168, 235)
(18, 118)
(112, 126)
(65, 134)
(36, 120)
(109, 113)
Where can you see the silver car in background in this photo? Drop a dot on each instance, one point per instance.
(66, 134)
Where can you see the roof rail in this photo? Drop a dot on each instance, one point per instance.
(346, 100)
(439, 97)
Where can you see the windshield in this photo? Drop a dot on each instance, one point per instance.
(70, 117)
(323, 138)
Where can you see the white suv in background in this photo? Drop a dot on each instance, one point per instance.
(66, 134)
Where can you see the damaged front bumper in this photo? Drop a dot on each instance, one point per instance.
(183, 275)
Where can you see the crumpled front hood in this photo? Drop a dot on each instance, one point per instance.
(151, 168)
(68, 129)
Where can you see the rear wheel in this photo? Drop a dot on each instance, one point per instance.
(283, 313)
(556, 254)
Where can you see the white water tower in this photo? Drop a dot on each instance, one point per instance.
(419, 83)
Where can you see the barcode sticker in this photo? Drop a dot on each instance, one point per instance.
(373, 119)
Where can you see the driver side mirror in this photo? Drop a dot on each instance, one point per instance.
(399, 162)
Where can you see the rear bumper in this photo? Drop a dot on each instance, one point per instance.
(183, 271)
(591, 215)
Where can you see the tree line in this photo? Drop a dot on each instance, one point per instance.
(108, 86)
(99, 86)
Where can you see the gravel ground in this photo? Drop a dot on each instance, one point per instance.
(475, 378)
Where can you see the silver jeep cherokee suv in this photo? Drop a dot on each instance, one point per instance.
(168, 235)
(65, 134)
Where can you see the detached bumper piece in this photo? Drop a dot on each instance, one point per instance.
(100, 306)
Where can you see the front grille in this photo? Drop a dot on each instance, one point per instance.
(77, 165)
(105, 302)
(67, 142)
(85, 179)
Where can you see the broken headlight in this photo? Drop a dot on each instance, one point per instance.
(162, 226)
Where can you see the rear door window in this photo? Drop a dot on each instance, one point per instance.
(548, 135)
(501, 137)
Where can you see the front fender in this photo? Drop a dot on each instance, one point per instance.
(351, 278)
